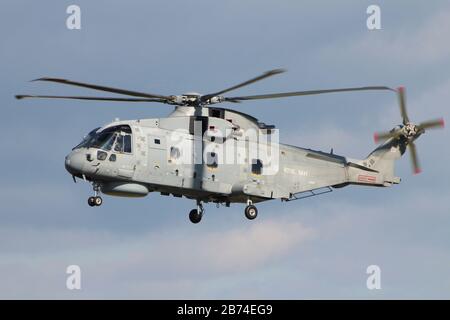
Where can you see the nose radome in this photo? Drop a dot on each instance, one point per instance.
(74, 162)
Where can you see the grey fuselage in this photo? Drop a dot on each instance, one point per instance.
(163, 156)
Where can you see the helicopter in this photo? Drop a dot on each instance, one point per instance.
(219, 155)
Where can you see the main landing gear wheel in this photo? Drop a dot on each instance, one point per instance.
(195, 216)
(91, 201)
(98, 201)
(251, 212)
(95, 201)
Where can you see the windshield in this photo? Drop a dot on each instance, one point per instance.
(103, 140)
(118, 136)
(86, 139)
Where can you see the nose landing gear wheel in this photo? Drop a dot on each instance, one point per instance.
(251, 212)
(195, 216)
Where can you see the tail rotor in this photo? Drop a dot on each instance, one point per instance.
(408, 131)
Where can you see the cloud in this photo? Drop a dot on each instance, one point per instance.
(168, 256)
(418, 46)
(432, 102)
(255, 245)
(318, 248)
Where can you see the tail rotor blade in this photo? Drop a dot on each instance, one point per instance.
(438, 123)
(414, 159)
(409, 131)
(402, 103)
(381, 136)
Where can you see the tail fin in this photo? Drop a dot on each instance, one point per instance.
(382, 159)
(379, 166)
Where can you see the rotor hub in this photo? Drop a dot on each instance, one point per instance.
(410, 130)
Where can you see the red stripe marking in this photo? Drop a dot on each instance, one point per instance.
(364, 178)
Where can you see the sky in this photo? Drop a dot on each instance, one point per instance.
(147, 248)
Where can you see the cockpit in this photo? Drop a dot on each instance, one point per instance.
(116, 138)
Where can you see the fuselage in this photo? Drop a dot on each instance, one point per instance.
(217, 155)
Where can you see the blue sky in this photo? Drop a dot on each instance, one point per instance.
(147, 248)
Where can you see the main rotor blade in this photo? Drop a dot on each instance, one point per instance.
(438, 123)
(304, 93)
(103, 88)
(402, 103)
(258, 78)
(19, 97)
(414, 159)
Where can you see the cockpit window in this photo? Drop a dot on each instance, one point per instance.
(119, 144)
(117, 137)
(123, 143)
(87, 138)
(104, 140)
(127, 143)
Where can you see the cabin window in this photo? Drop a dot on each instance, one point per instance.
(157, 141)
(174, 153)
(212, 160)
(216, 113)
(257, 166)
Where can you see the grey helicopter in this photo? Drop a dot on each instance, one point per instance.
(219, 155)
